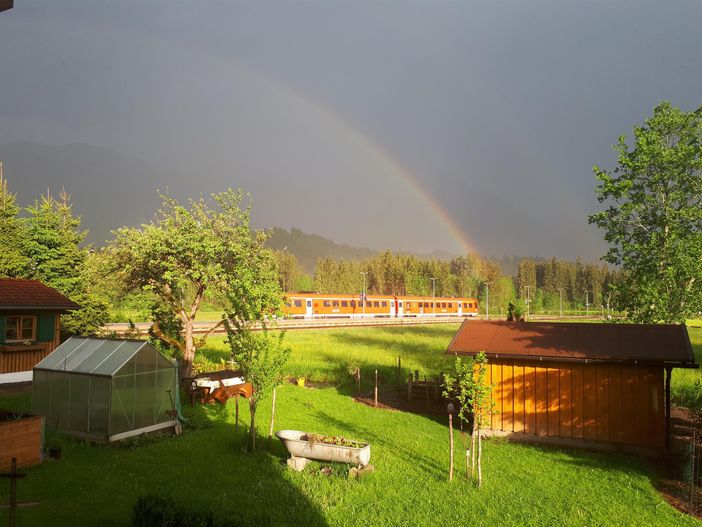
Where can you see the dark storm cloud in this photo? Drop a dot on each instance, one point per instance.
(497, 109)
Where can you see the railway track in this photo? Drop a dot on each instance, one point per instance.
(202, 327)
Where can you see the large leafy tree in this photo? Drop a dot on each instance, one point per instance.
(204, 249)
(13, 261)
(654, 219)
(57, 256)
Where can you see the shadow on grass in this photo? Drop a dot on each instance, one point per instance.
(205, 470)
(412, 457)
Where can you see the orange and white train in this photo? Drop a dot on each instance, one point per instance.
(318, 305)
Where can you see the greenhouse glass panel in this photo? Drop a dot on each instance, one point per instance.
(165, 381)
(79, 354)
(100, 351)
(79, 403)
(122, 353)
(60, 397)
(128, 368)
(145, 398)
(145, 360)
(122, 410)
(163, 363)
(99, 405)
(41, 392)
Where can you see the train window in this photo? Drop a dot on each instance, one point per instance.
(288, 304)
(450, 305)
(385, 304)
(408, 305)
(344, 303)
(465, 305)
(376, 304)
(443, 304)
(309, 303)
(298, 303)
(353, 303)
(426, 304)
(326, 303)
(335, 303)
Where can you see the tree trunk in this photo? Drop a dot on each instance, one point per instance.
(472, 449)
(252, 428)
(186, 369)
(450, 447)
(480, 458)
(270, 430)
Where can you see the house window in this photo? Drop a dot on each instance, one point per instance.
(20, 328)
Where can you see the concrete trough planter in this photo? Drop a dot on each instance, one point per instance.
(299, 446)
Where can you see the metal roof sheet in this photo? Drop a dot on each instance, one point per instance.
(577, 342)
(98, 356)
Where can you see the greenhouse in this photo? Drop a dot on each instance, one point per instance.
(105, 389)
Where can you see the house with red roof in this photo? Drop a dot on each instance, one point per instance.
(30, 322)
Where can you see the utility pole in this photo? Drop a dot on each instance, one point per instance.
(487, 301)
(433, 296)
(587, 304)
(528, 288)
(363, 295)
(560, 301)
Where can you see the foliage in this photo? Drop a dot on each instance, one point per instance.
(459, 387)
(337, 440)
(57, 257)
(13, 260)
(515, 311)
(653, 222)
(190, 253)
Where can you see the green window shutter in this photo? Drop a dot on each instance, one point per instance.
(2, 329)
(46, 322)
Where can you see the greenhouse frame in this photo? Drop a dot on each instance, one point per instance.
(105, 389)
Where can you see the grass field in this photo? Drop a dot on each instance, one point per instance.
(206, 467)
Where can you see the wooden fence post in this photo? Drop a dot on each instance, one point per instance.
(375, 390)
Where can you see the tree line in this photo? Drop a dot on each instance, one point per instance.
(545, 285)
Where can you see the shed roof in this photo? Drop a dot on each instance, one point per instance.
(663, 344)
(16, 294)
(100, 356)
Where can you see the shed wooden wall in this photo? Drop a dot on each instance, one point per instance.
(612, 403)
(19, 357)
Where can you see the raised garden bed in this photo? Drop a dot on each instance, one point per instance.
(21, 437)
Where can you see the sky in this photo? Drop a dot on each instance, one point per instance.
(406, 125)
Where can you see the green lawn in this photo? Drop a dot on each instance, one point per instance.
(323, 355)
(524, 485)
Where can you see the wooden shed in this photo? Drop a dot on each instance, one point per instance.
(580, 384)
(30, 322)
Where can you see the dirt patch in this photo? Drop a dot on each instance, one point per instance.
(675, 484)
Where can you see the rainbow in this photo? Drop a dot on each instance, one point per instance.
(463, 245)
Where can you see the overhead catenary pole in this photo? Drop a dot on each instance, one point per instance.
(487, 301)
(560, 302)
(433, 296)
(587, 304)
